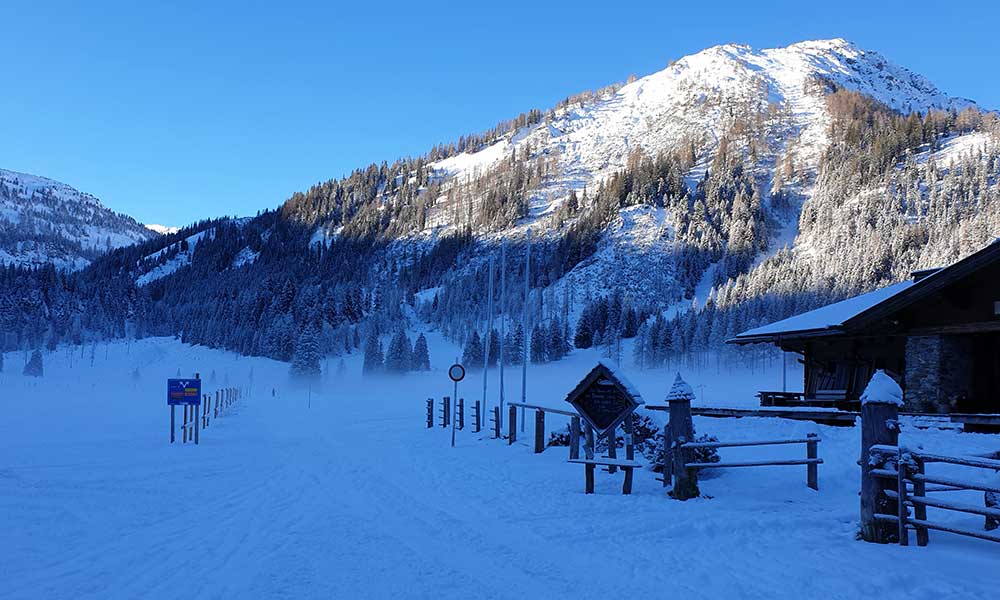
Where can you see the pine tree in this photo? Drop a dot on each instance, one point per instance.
(400, 354)
(555, 345)
(584, 337)
(538, 350)
(33, 368)
(494, 350)
(306, 359)
(472, 355)
(374, 362)
(421, 355)
(514, 351)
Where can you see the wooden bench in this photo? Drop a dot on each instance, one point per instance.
(624, 464)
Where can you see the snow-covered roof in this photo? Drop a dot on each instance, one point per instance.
(623, 381)
(830, 316)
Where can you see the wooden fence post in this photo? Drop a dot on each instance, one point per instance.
(195, 409)
(445, 408)
(430, 413)
(477, 409)
(574, 438)
(496, 422)
(461, 413)
(588, 446)
(879, 426)
(812, 469)
(627, 426)
(902, 510)
(920, 510)
(539, 431)
(612, 437)
(511, 425)
(681, 431)
(172, 423)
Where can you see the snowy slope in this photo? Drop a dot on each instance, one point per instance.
(693, 101)
(45, 221)
(313, 493)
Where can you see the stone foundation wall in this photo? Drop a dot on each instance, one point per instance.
(938, 372)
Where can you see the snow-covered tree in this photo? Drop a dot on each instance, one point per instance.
(399, 357)
(373, 362)
(33, 368)
(421, 354)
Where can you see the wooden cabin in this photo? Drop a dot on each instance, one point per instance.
(937, 334)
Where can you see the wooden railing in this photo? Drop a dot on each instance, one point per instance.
(574, 427)
(907, 469)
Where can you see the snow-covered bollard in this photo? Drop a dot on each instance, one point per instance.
(680, 430)
(880, 404)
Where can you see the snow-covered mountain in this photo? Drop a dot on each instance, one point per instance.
(769, 180)
(771, 104)
(696, 100)
(45, 221)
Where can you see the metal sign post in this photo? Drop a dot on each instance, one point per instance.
(183, 392)
(456, 373)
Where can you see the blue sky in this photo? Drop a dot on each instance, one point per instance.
(193, 110)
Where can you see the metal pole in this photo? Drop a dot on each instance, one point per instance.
(489, 330)
(503, 296)
(524, 326)
(524, 341)
(453, 408)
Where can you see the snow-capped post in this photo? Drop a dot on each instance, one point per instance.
(574, 438)
(880, 404)
(679, 431)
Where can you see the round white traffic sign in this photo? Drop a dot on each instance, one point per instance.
(456, 372)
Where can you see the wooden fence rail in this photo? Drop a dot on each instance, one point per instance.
(910, 478)
(681, 469)
(194, 418)
(894, 480)
(539, 437)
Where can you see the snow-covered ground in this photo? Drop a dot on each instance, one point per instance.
(340, 492)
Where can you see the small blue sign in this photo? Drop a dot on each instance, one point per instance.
(183, 391)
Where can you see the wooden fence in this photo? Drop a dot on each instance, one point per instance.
(681, 468)
(539, 441)
(195, 418)
(895, 480)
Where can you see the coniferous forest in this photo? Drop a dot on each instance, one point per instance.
(349, 266)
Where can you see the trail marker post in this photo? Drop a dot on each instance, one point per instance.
(456, 373)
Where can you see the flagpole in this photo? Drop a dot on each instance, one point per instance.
(524, 326)
(489, 331)
(503, 295)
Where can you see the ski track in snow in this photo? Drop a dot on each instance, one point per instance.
(341, 492)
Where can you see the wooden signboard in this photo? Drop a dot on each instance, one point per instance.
(604, 398)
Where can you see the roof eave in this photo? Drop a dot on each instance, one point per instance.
(780, 336)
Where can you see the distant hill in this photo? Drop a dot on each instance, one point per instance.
(47, 222)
